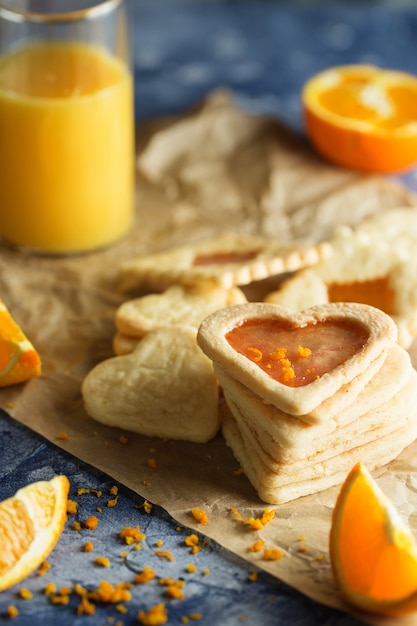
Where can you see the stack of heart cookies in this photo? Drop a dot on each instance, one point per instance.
(308, 394)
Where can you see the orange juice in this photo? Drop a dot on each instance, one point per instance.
(66, 147)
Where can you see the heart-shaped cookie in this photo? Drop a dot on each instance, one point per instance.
(295, 360)
(165, 388)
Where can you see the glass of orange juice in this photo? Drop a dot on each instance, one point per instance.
(66, 124)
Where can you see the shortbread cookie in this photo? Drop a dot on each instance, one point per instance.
(275, 489)
(296, 360)
(341, 405)
(225, 262)
(123, 344)
(374, 264)
(288, 438)
(165, 388)
(396, 226)
(327, 457)
(177, 305)
(308, 394)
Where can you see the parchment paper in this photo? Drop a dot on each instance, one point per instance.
(212, 170)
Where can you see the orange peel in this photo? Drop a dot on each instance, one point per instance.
(373, 553)
(363, 117)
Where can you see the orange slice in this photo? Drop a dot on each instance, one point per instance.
(31, 523)
(373, 553)
(19, 360)
(362, 117)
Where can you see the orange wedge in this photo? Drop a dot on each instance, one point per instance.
(373, 553)
(19, 360)
(31, 523)
(363, 118)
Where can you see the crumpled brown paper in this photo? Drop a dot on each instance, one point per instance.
(215, 169)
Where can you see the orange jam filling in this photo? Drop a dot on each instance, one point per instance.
(375, 292)
(222, 258)
(297, 355)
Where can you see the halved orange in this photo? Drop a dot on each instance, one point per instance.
(31, 523)
(373, 553)
(363, 118)
(19, 360)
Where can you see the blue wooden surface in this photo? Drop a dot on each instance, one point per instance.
(263, 51)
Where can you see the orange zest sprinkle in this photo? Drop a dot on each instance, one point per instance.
(168, 581)
(145, 576)
(59, 599)
(156, 616)
(63, 436)
(88, 547)
(175, 592)
(192, 540)
(236, 513)
(304, 352)
(80, 590)
(279, 354)
(91, 522)
(50, 588)
(103, 561)
(44, 567)
(84, 490)
(151, 463)
(257, 354)
(131, 535)
(253, 577)
(288, 372)
(111, 503)
(272, 554)
(164, 554)
(107, 593)
(199, 515)
(191, 568)
(72, 507)
(256, 523)
(257, 546)
(25, 594)
(12, 612)
(86, 607)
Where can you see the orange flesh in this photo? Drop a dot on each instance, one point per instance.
(28, 363)
(296, 356)
(221, 258)
(344, 100)
(374, 292)
(7, 350)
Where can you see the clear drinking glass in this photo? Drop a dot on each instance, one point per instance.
(66, 124)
